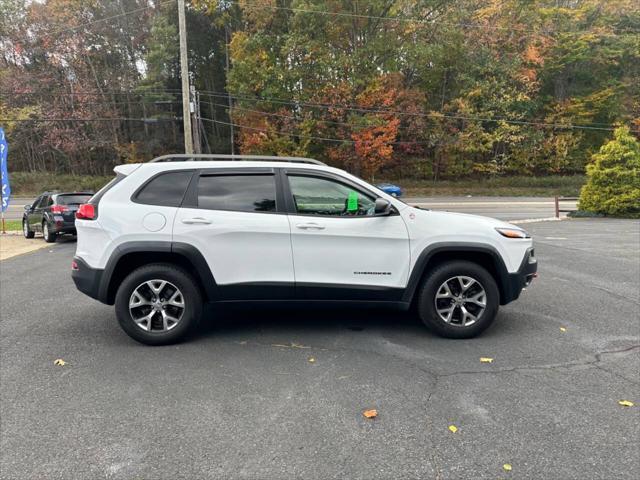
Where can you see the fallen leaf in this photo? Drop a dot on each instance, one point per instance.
(507, 467)
(60, 362)
(453, 428)
(625, 403)
(312, 360)
(370, 413)
(562, 329)
(486, 360)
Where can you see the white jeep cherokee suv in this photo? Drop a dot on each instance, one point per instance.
(166, 236)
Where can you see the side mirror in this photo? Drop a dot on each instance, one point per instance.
(382, 207)
(27, 207)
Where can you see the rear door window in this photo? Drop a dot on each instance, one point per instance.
(166, 189)
(240, 193)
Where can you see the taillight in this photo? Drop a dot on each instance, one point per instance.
(74, 265)
(87, 211)
(59, 209)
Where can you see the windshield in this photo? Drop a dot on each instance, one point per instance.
(73, 199)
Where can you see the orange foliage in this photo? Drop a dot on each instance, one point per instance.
(373, 145)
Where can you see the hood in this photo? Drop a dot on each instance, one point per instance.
(440, 226)
(467, 219)
(473, 219)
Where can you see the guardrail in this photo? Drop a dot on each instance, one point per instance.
(564, 210)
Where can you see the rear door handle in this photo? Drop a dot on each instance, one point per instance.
(196, 220)
(309, 226)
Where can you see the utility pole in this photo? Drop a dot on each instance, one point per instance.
(230, 100)
(184, 73)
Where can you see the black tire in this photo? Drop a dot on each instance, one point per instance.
(49, 236)
(27, 232)
(426, 301)
(173, 274)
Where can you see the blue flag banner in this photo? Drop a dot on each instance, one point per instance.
(6, 188)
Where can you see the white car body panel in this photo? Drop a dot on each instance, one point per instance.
(350, 250)
(428, 227)
(239, 247)
(121, 220)
(94, 244)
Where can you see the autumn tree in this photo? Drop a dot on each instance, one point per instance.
(425, 88)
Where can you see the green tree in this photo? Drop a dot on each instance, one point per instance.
(613, 185)
(161, 56)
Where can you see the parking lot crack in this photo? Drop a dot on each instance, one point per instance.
(594, 361)
(616, 374)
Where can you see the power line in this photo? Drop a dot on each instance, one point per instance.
(420, 21)
(106, 104)
(96, 94)
(413, 114)
(326, 106)
(310, 137)
(270, 114)
(105, 19)
(111, 119)
(352, 126)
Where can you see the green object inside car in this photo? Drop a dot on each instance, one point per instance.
(352, 201)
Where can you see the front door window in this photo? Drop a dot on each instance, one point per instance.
(325, 197)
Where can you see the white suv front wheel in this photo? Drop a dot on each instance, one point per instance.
(459, 299)
(158, 304)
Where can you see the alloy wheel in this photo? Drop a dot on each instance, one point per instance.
(460, 301)
(156, 306)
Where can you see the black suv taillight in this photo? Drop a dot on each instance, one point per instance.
(59, 209)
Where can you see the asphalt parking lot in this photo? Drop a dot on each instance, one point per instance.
(243, 400)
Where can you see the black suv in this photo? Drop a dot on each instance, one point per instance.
(53, 214)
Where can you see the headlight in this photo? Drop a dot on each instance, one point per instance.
(513, 233)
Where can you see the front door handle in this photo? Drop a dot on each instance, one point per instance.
(196, 220)
(309, 226)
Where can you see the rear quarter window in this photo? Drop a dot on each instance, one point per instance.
(167, 189)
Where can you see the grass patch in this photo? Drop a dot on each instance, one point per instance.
(13, 225)
(30, 184)
(568, 186)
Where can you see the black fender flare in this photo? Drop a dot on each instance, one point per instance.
(420, 267)
(191, 253)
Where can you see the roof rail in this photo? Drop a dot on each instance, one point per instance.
(184, 157)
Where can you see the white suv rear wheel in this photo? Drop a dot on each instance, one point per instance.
(158, 304)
